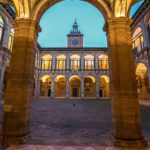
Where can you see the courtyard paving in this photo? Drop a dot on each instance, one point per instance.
(81, 124)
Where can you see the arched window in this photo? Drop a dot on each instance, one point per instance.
(75, 62)
(46, 61)
(138, 40)
(11, 39)
(89, 62)
(61, 62)
(1, 28)
(103, 62)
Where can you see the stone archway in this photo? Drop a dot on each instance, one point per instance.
(142, 80)
(74, 86)
(60, 86)
(89, 86)
(104, 86)
(45, 86)
(126, 117)
(42, 6)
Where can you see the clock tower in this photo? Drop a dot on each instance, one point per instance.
(75, 37)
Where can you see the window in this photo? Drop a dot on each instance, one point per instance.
(36, 60)
(89, 62)
(1, 28)
(138, 40)
(103, 62)
(10, 41)
(46, 62)
(75, 62)
(61, 62)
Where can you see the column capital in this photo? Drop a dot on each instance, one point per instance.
(26, 24)
(120, 22)
(119, 19)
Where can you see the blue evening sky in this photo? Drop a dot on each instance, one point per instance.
(57, 22)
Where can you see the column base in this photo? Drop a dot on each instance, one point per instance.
(18, 139)
(131, 143)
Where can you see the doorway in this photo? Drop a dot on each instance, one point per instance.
(75, 92)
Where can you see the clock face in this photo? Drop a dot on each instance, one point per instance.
(75, 42)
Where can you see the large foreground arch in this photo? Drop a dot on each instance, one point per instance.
(44, 5)
(126, 117)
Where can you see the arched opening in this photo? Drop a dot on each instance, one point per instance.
(89, 62)
(60, 86)
(1, 28)
(11, 39)
(75, 62)
(42, 6)
(116, 25)
(45, 86)
(103, 62)
(46, 61)
(61, 62)
(142, 80)
(74, 86)
(89, 86)
(104, 86)
(137, 40)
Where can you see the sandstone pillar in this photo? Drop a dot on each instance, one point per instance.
(1, 81)
(68, 62)
(36, 85)
(67, 86)
(125, 107)
(96, 63)
(54, 62)
(97, 87)
(82, 86)
(82, 62)
(52, 86)
(16, 117)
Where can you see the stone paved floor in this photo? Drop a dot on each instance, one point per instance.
(75, 123)
(41, 147)
(71, 122)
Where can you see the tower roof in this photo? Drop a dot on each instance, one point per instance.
(75, 30)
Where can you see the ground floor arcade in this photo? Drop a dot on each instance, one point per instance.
(74, 86)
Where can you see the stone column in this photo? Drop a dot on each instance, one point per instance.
(96, 63)
(52, 86)
(36, 86)
(68, 62)
(82, 62)
(67, 87)
(82, 86)
(143, 86)
(97, 87)
(39, 86)
(16, 116)
(54, 62)
(125, 107)
(2, 81)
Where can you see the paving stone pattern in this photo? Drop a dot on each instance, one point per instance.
(81, 124)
